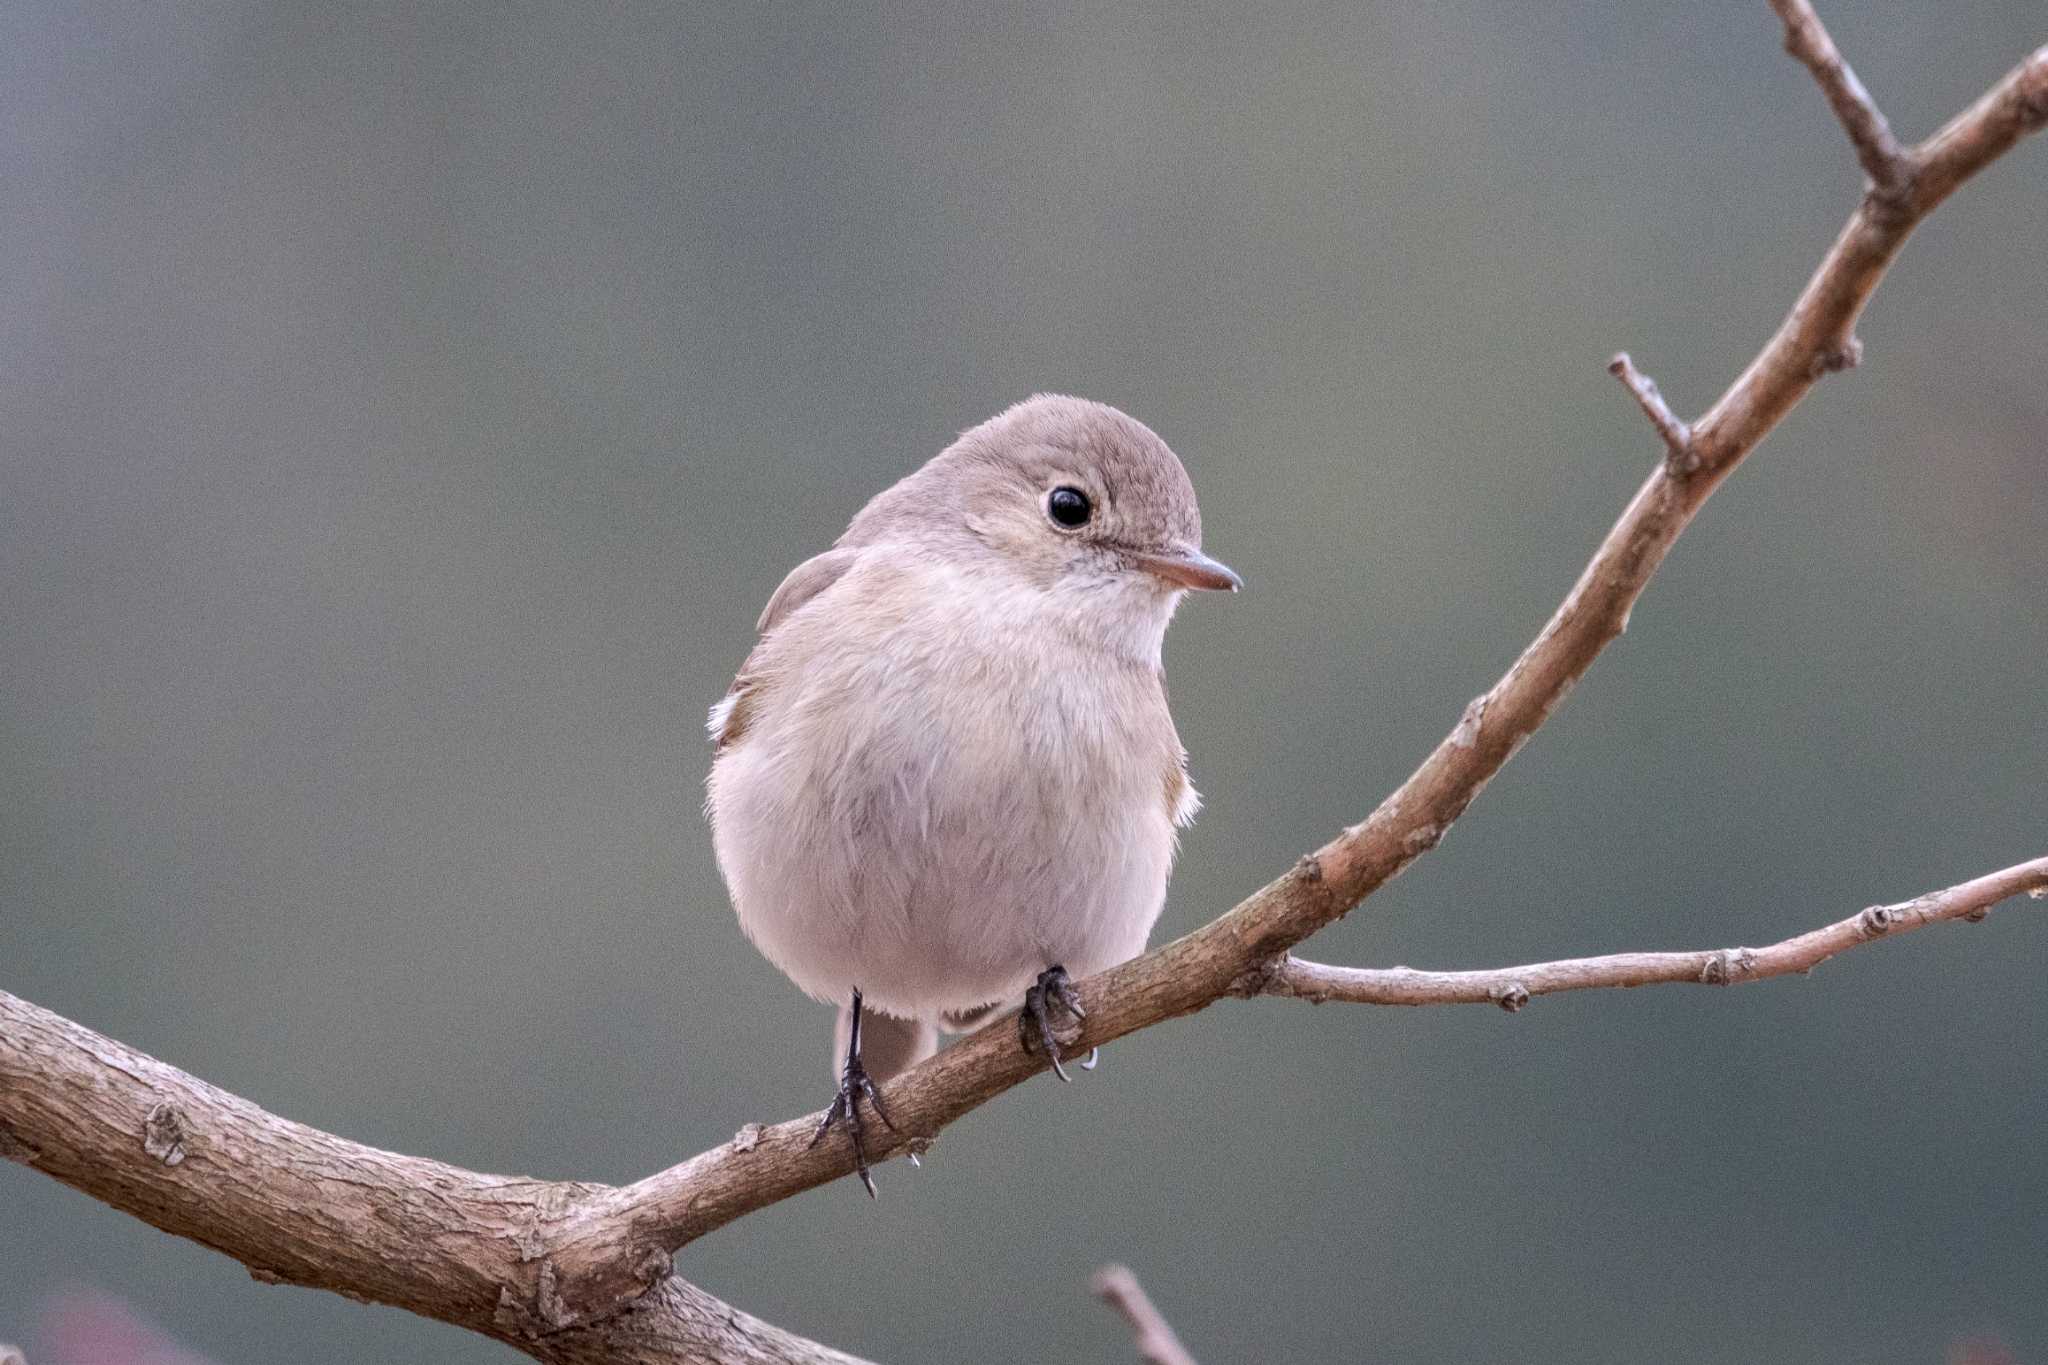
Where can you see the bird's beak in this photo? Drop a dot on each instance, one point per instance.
(1189, 568)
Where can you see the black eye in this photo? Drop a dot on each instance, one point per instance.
(1068, 506)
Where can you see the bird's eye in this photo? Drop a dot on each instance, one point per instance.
(1069, 507)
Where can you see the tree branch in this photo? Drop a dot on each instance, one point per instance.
(1883, 159)
(1153, 1336)
(1513, 987)
(575, 1272)
(299, 1206)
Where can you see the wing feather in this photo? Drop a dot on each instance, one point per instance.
(734, 712)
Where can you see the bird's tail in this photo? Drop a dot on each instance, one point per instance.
(888, 1046)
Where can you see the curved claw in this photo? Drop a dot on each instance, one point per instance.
(1034, 1025)
(855, 1085)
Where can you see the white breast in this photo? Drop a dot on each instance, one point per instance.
(966, 792)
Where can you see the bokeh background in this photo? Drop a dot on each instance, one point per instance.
(404, 411)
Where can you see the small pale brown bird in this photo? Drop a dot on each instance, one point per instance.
(946, 776)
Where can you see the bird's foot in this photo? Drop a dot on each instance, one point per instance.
(1034, 1025)
(855, 1085)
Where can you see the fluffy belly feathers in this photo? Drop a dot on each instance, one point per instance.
(939, 854)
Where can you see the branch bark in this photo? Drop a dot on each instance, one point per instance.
(577, 1272)
(1513, 987)
(299, 1206)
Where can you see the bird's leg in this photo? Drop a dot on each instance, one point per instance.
(1035, 1024)
(854, 1085)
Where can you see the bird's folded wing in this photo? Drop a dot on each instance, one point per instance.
(728, 720)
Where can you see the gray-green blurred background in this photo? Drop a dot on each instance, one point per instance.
(404, 411)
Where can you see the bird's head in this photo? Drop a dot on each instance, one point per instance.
(1074, 497)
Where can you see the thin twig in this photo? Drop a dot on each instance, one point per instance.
(1677, 435)
(1512, 987)
(1116, 1286)
(1884, 160)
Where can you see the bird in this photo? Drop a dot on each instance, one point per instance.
(946, 779)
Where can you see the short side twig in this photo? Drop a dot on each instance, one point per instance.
(1677, 436)
(1884, 160)
(1512, 987)
(1116, 1286)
